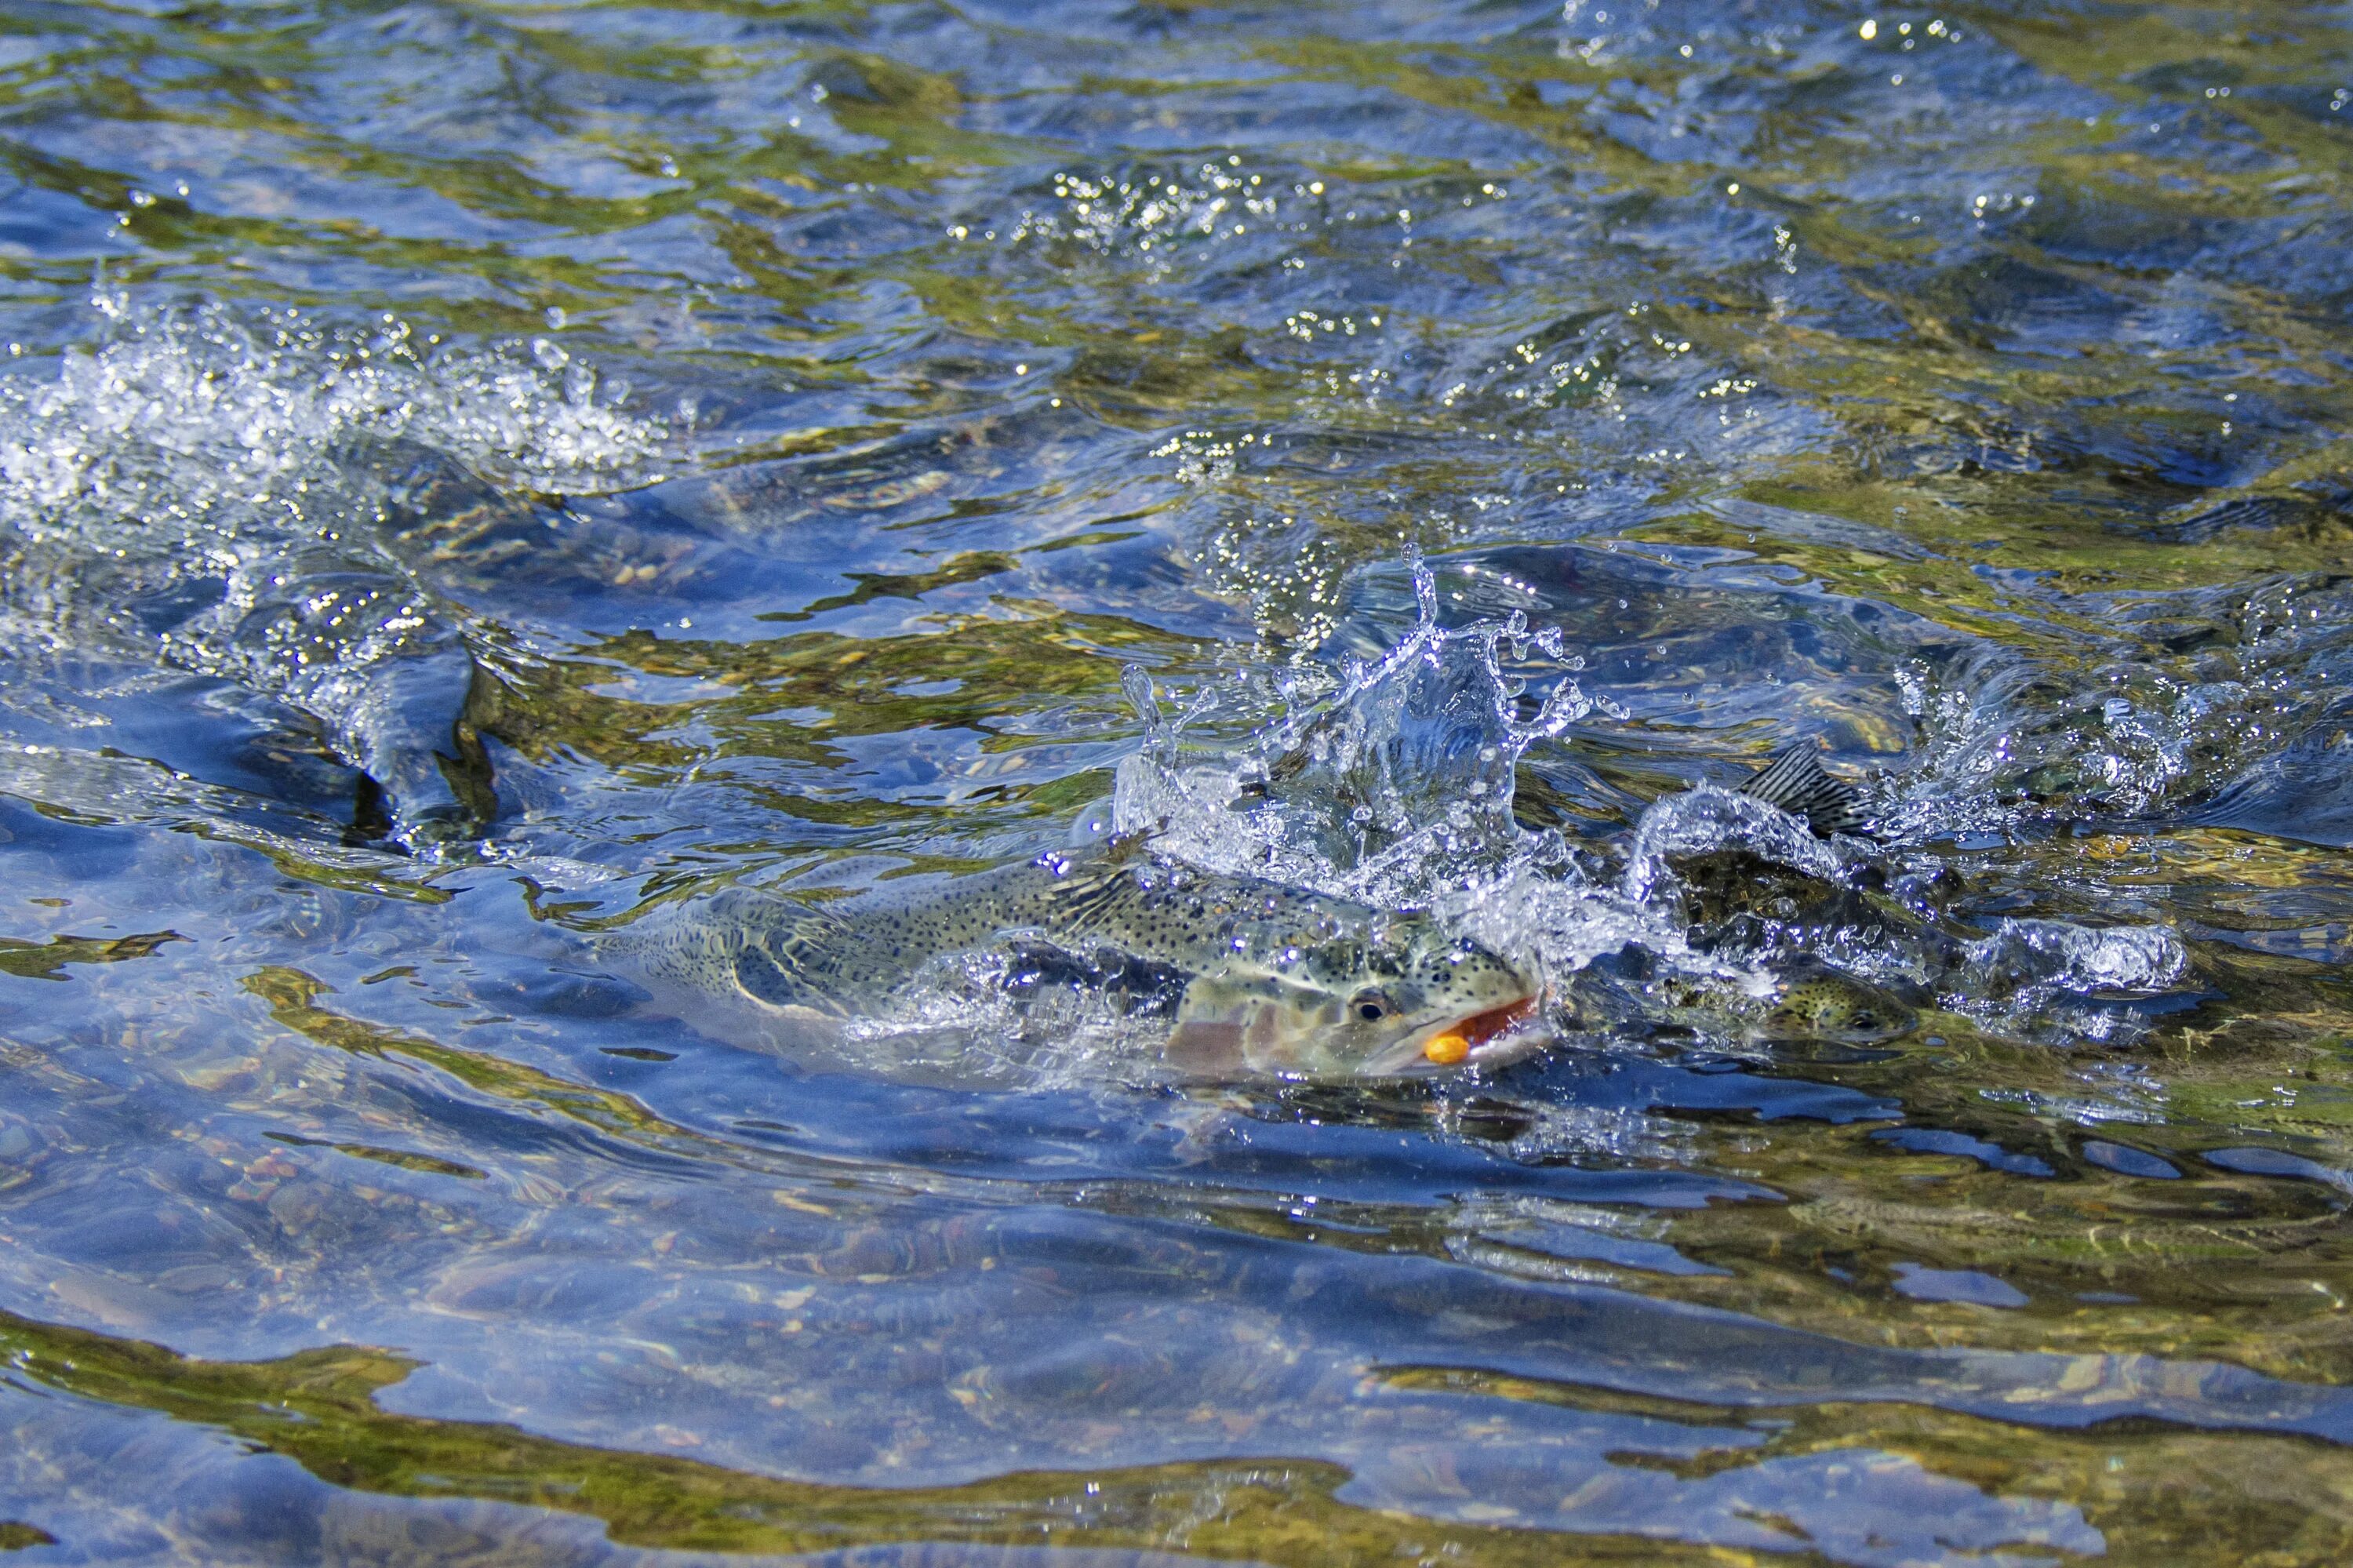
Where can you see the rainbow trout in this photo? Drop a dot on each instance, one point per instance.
(1816, 1002)
(1261, 977)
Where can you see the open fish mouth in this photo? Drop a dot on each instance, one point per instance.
(1482, 1039)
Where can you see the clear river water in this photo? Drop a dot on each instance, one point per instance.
(482, 479)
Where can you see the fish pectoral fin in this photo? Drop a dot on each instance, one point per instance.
(1795, 781)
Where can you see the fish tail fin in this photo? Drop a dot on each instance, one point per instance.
(1794, 780)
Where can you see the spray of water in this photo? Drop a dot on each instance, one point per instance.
(1392, 783)
(222, 430)
(203, 488)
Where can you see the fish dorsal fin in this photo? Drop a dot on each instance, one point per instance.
(1121, 848)
(1796, 782)
(1097, 884)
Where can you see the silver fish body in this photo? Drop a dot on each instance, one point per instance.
(1264, 978)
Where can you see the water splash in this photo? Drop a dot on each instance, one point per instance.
(1706, 819)
(2188, 698)
(1392, 782)
(2045, 976)
(206, 423)
(205, 489)
(1393, 785)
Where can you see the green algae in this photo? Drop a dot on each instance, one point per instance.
(2156, 1494)
(43, 960)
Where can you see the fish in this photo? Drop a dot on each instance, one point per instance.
(1813, 1003)
(1829, 1004)
(1261, 977)
(1737, 900)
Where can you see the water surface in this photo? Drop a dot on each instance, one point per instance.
(472, 474)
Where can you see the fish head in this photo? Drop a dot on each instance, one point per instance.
(1415, 999)
(1827, 1005)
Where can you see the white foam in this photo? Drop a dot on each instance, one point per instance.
(210, 425)
(218, 463)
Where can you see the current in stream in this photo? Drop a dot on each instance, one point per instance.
(562, 566)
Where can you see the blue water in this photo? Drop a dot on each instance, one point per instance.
(473, 476)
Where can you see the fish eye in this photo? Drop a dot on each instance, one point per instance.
(1370, 1006)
